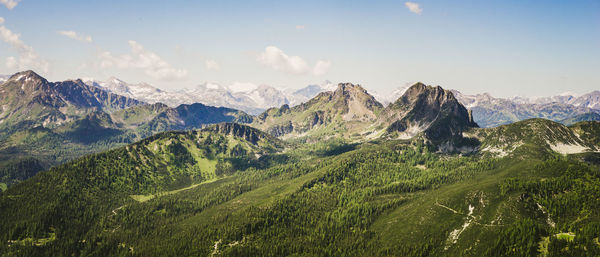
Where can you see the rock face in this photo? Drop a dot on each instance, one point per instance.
(431, 110)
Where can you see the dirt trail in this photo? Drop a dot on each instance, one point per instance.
(448, 208)
(114, 212)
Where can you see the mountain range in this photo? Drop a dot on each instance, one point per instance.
(339, 174)
(250, 98)
(488, 111)
(47, 123)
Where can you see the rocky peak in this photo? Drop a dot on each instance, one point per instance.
(430, 94)
(28, 76)
(428, 109)
(115, 80)
(349, 88)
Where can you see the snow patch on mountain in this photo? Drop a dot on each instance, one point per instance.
(4, 78)
(245, 96)
(393, 96)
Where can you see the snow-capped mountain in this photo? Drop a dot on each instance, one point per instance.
(489, 111)
(589, 100)
(248, 97)
(141, 91)
(393, 96)
(296, 97)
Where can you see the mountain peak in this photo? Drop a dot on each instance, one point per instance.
(431, 93)
(429, 109)
(115, 80)
(348, 87)
(27, 75)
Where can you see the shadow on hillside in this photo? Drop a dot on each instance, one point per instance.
(335, 149)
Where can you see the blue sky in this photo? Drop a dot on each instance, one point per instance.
(507, 48)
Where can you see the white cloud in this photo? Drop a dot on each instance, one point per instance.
(212, 65)
(10, 3)
(28, 58)
(413, 7)
(151, 63)
(275, 58)
(300, 27)
(73, 35)
(321, 67)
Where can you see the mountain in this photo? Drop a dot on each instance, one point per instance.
(249, 98)
(489, 111)
(306, 93)
(29, 100)
(142, 91)
(350, 112)
(590, 116)
(99, 131)
(387, 99)
(252, 100)
(149, 119)
(309, 91)
(590, 100)
(48, 123)
(431, 110)
(342, 112)
(588, 131)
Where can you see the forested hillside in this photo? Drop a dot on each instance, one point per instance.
(232, 190)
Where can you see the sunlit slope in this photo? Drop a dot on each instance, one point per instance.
(539, 135)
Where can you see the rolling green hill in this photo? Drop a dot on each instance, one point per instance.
(160, 163)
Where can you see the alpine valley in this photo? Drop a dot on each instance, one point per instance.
(91, 168)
